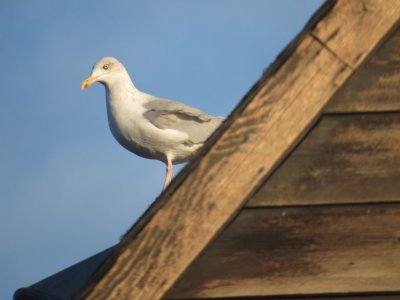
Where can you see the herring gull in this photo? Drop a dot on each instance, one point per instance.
(148, 126)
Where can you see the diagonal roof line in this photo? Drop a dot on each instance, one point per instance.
(264, 127)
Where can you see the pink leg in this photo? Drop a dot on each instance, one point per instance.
(168, 176)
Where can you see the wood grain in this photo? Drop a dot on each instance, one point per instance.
(296, 251)
(340, 30)
(276, 114)
(344, 159)
(375, 85)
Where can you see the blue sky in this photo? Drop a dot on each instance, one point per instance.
(68, 190)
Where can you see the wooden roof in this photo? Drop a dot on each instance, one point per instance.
(269, 123)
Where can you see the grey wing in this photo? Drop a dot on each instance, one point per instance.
(167, 114)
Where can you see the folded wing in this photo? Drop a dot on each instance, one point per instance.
(167, 114)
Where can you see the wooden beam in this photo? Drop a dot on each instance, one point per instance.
(351, 26)
(300, 251)
(275, 115)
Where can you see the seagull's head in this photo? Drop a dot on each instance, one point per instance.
(105, 71)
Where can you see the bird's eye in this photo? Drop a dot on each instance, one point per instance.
(105, 67)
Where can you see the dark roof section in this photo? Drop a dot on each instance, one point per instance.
(63, 285)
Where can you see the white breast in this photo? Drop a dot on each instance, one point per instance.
(137, 134)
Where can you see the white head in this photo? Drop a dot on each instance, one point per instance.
(106, 71)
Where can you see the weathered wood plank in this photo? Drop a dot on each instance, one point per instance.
(341, 33)
(258, 135)
(375, 85)
(344, 159)
(296, 251)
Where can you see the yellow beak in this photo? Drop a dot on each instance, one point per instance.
(88, 82)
